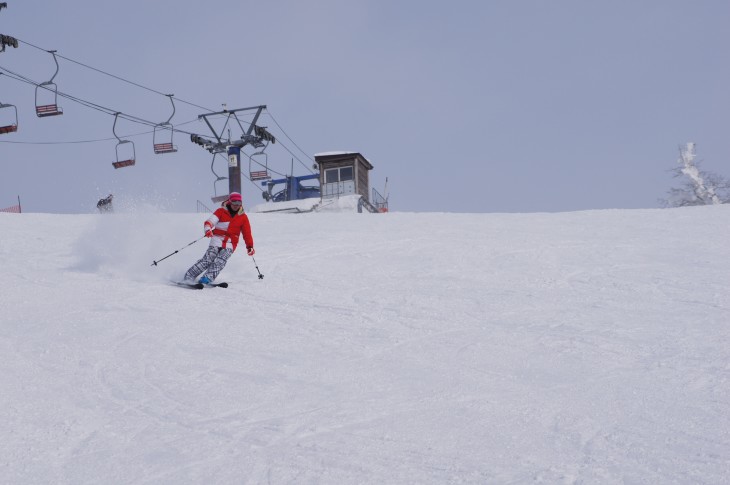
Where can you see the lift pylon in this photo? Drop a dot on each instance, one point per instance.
(231, 147)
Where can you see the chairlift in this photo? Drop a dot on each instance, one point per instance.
(160, 144)
(11, 125)
(43, 108)
(217, 198)
(255, 166)
(121, 161)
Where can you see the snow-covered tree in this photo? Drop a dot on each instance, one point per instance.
(701, 187)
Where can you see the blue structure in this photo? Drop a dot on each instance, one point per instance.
(293, 190)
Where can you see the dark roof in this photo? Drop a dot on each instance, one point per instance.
(342, 157)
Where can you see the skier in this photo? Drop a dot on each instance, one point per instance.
(223, 228)
(105, 204)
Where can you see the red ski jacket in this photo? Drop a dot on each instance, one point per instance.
(227, 228)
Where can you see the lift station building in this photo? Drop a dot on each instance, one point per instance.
(343, 173)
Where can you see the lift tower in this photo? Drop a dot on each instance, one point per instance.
(256, 136)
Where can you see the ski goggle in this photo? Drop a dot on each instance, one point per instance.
(235, 202)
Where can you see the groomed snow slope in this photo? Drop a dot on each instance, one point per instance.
(587, 347)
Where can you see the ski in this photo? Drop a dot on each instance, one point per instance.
(192, 286)
(216, 285)
(199, 286)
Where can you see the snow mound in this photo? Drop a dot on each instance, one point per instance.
(346, 203)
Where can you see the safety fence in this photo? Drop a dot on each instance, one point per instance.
(379, 202)
(203, 209)
(16, 209)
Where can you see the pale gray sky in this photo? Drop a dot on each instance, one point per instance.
(466, 106)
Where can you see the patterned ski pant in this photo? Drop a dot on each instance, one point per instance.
(212, 263)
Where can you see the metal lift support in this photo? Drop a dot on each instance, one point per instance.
(233, 147)
(294, 189)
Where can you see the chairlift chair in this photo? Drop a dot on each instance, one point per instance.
(217, 198)
(122, 161)
(12, 126)
(43, 108)
(159, 144)
(255, 172)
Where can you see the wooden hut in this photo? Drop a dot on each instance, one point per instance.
(343, 173)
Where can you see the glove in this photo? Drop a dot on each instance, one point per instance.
(250, 251)
(208, 231)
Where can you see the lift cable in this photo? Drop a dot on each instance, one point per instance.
(165, 94)
(88, 104)
(115, 76)
(268, 111)
(97, 107)
(113, 112)
(97, 140)
(178, 99)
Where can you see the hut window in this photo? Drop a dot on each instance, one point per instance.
(341, 174)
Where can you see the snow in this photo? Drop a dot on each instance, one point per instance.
(339, 152)
(702, 191)
(335, 152)
(586, 347)
(345, 203)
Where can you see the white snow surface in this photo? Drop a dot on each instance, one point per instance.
(334, 152)
(399, 348)
(345, 203)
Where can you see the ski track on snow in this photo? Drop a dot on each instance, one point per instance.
(585, 347)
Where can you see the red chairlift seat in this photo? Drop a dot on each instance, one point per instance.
(124, 163)
(8, 129)
(264, 163)
(260, 175)
(12, 127)
(164, 146)
(128, 162)
(217, 198)
(48, 110)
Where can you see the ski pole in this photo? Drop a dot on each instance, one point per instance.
(154, 263)
(257, 268)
